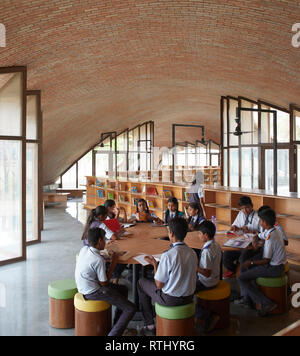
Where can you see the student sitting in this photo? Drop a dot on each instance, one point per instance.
(195, 217)
(113, 212)
(93, 282)
(96, 218)
(143, 214)
(247, 221)
(172, 211)
(208, 270)
(271, 265)
(175, 277)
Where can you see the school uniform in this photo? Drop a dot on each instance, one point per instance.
(196, 193)
(210, 258)
(101, 225)
(170, 215)
(195, 221)
(251, 221)
(264, 234)
(178, 271)
(90, 270)
(274, 250)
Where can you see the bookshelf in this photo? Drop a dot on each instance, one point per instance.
(126, 192)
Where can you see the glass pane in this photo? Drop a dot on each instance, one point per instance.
(233, 140)
(214, 160)
(225, 122)
(32, 117)
(283, 175)
(85, 168)
(266, 126)
(11, 104)
(283, 126)
(250, 168)
(249, 124)
(297, 125)
(283, 166)
(102, 160)
(143, 132)
(10, 200)
(225, 177)
(234, 167)
(69, 178)
(122, 162)
(32, 186)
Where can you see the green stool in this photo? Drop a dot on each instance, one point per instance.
(175, 321)
(275, 289)
(61, 304)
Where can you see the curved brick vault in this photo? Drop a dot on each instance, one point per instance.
(111, 64)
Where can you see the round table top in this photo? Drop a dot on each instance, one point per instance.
(147, 239)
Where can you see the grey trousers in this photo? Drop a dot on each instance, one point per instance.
(148, 291)
(116, 295)
(250, 290)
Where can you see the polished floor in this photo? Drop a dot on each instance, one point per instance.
(23, 286)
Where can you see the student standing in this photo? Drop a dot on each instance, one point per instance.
(208, 271)
(271, 265)
(175, 277)
(93, 282)
(247, 221)
(196, 194)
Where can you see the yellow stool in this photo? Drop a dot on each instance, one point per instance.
(92, 318)
(217, 300)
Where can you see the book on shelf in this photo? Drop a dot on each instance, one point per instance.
(135, 201)
(134, 189)
(100, 193)
(167, 194)
(151, 191)
(90, 181)
(99, 183)
(121, 198)
(110, 195)
(186, 196)
(150, 204)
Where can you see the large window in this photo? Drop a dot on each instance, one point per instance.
(12, 167)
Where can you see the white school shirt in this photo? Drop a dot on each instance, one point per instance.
(274, 248)
(253, 221)
(178, 270)
(101, 225)
(90, 269)
(211, 256)
(263, 235)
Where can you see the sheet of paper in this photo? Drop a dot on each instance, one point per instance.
(141, 259)
(128, 225)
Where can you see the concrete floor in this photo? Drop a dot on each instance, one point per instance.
(23, 286)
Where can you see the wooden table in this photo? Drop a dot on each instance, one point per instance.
(55, 197)
(146, 239)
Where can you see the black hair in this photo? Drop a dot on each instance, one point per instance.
(146, 204)
(207, 227)
(167, 214)
(179, 227)
(94, 235)
(195, 206)
(262, 208)
(99, 211)
(109, 204)
(245, 201)
(268, 216)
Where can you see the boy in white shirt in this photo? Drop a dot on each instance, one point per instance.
(246, 221)
(271, 265)
(208, 271)
(93, 282)
(175, 277)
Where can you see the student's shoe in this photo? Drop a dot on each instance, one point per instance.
(145, 331)
(228, 274)
(243, 303)
(211, 322)
(264, 311)
(130, 332)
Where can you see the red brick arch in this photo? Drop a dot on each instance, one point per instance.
(111, 64)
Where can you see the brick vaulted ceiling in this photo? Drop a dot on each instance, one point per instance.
(111, 64)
